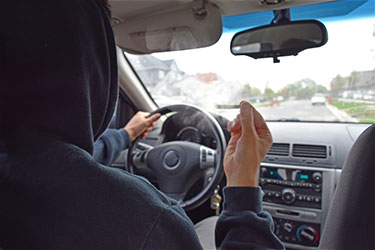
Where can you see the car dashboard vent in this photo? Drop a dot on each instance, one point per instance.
(309, 151)
(281, 149)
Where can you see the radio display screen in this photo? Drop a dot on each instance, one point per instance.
(286, 174)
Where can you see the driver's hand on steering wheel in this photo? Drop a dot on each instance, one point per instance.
(140, 125)
(250, 141)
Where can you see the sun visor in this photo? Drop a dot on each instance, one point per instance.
(182, 29)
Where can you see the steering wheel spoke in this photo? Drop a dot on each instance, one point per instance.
(140, 155)
(206, 158)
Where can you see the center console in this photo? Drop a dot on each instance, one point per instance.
(298, 198)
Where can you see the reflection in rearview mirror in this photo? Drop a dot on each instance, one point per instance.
(279, 39)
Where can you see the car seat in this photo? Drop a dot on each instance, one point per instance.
(350, 221)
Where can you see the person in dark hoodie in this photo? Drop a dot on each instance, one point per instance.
(58, 91)
(109, 145)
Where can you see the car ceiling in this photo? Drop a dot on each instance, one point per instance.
(126, 9)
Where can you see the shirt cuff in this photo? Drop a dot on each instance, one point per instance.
(237, 199)
(125, 136)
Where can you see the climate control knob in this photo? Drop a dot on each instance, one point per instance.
(307, 233)
(288, 195)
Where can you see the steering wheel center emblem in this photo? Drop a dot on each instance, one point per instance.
(171, 160)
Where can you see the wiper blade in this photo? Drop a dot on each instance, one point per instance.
(288, 120)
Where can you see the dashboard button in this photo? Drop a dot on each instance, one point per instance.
(263, 170)
(317, 188)
(317, 177)
(288, 227)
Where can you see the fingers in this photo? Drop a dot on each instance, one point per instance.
(232, 144)
(258, 120)
(149, 121)
(247, 119)
(261, 127)
(235, 125)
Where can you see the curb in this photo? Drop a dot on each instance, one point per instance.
(340, 114)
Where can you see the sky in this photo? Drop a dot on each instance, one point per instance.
(350, 47)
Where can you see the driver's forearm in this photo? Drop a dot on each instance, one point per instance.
(243, 223)
(109, 146)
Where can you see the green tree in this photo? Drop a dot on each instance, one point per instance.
(338, 85)
(255, 91)
(353, 80)
(302, 89)
(268, 93)
(249, 91)
(246, 92)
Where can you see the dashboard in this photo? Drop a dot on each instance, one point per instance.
(192, 127)
(298, 175)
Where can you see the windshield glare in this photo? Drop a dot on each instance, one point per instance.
(333, 83)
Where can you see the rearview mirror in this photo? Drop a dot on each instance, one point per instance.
(276, 40)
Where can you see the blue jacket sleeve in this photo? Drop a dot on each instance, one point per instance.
(243, 224)
(109, 145)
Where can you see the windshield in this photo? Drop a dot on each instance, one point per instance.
(333, 83)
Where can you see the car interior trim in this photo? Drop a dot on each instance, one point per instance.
(136, 91)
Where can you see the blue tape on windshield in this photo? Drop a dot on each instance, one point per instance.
(331, 11)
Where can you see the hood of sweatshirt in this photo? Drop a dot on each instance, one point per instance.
(58, 76)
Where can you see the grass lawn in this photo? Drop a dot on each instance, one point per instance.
(367, 119)
(347, 105)
(363, 111)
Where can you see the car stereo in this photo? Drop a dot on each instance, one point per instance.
(297, 197)
(300, 188)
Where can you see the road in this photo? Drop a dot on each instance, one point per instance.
(298, 109)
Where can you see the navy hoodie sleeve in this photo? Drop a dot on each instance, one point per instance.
(109, 146)
(243, 224)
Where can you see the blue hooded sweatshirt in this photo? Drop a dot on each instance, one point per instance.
(58, 90)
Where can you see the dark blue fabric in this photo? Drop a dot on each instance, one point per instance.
(243, 224)
(57, 95)
(69, 201)
(110, 144)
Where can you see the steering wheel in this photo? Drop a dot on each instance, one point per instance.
(177, 165)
